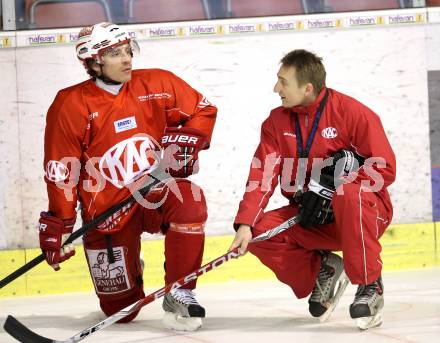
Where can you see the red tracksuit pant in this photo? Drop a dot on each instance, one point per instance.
(360, 220)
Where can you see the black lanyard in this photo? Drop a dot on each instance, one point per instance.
(299, 141)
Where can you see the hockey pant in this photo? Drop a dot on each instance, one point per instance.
(114, 260)
(360, 220)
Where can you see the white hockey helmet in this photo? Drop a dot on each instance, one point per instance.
(94, 40)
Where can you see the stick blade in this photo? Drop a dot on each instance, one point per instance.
(22, 333)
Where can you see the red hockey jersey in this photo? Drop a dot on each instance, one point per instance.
(95, 143)
(345, 124)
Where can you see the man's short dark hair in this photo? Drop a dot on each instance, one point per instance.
(308, 67)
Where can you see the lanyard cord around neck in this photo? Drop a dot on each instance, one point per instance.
(299, 141)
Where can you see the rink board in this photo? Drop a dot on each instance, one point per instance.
(405, 246)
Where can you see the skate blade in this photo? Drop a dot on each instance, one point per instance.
(331, 304)
(365, 323)
(173, 321)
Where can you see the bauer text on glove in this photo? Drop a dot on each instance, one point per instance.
(181, 149)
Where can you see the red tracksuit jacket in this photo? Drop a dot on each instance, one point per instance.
(345, 124)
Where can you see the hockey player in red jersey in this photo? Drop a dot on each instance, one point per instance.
(100, 136)
(334, 163)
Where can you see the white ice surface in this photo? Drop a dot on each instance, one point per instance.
(263, 311)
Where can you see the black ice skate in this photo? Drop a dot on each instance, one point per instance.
(367, 305)
(182, 311)
(324, 299)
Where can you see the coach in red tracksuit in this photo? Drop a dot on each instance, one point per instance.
(345, 207)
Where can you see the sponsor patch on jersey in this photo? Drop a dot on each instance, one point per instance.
(154, 96)
(125, 124)
(109, 277)
(329, 132)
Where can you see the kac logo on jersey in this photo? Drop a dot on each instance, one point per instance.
(329, 132)
(127, 160)
(56, 171)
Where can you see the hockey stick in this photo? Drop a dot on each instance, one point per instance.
(153, 181)
(25, 335)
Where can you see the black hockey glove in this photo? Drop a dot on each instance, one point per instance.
(344, 162)
(315, 206)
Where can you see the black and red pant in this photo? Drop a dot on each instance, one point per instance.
(179, 212)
